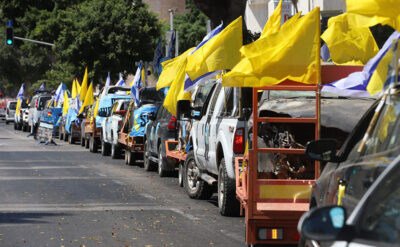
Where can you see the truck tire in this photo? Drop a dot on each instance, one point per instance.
(131, 158)
(91, 145)
(194, 186)
(227, 203)
(162, 163)
(60, 135)
(87, 143)
(65, 136)
(180, 174)
(148, 164)
(104, 149)
(115, 151)
(126, 157)
(82, 141)
(24, 128)
(71, 139)
(15, 126)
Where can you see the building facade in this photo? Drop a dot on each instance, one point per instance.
(258, 11)
(161, 7)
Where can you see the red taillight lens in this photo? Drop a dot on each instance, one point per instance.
(37, 104)
(49, 114)
(172, 123)
(238, 141)
(297, 236)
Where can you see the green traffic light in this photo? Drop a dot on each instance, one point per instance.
(9, 42)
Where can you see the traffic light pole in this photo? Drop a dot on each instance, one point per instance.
(35, 41)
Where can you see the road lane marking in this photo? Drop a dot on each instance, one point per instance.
(40, 167)
(49, 178)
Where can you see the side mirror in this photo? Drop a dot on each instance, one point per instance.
(152, 116)
(322, 150)
(246, 113)
(183, 110)
(324, 224)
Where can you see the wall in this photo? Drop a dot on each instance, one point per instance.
(161, 7)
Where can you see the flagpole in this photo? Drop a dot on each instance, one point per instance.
(319, 75)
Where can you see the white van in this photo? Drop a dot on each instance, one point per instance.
(10, 111)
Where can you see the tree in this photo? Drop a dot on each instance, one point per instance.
(191, 25)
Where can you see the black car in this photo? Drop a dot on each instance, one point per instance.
(373, 144)
(162, 128)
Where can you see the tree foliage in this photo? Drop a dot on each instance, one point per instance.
(103, 35)
(191, 25)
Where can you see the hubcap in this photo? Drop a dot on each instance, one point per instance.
(192, 174)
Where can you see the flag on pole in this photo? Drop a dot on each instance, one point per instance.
(121, 81)
(84, 86)
(171, 46)
(66, 103)
(137, 83)
(349, 46)
(157, 57)
(74, 89)
(108, 80)
(89, 98)
(21, 92)
(171, 68)
(274, 22)
(41, 88)
(356, 83)
(292, 53)
(218, 51)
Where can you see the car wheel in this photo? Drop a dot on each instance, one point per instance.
(7, 122)
(65, 136)
(60, 135)
(162, 163)
(126, 157)
(91, 144)
(131, 158)
(115, 151)
(194, 186)
(71, 139)
(19, 127)
(82, 141)
(15, 126)
(95, 145)
(24, 128)
(104, 148)
(86, 143)
(148, 164)
(227, 203)
(180, 174)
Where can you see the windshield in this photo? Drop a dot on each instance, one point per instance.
(13, 105)
(150, 95)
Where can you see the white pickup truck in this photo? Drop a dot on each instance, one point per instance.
(217, 136)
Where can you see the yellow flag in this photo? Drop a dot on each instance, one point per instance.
(385, 12)
(66, 104)
(349, 46)
(74, 91)
(176, 92)
(89, 99)
(292, 53)
(380, 74)
(78, 87)
(170, 69)
(220, 53)
(17, 109)
(84, 86)
(96, 108)
(274, 21)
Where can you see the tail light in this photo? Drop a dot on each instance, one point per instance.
(238, 141)
(49, 114)
(119, 122)
(37, 104)
(27, 112)
(172, 123)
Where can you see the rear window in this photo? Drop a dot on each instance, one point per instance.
(42, 102)
(13, 105)
(151, 96)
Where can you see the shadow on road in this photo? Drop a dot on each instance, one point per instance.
(20, 218)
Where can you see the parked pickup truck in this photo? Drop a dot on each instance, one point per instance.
(216, 138)
(112, 125)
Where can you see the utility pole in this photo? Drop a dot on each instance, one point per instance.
(172, 11)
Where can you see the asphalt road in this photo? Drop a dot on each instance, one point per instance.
(66, 196)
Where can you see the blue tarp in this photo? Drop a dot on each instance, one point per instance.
(141, 119)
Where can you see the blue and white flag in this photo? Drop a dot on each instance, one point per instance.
(356, 83)
(21, 92)
(42, 87)
(171, 46)
(325, 54)
(108, 81)
(137, 84)
(59, 94)
(121, 81)
(157, 58)
(189, 84)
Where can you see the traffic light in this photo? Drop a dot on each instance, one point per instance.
(9, 36)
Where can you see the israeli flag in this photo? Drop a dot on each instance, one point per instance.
(121, 81)
(189, 84)
(137, 84)
(157, 58)
(108, 81)
(59, 94)
(21, 92)
(42, 87)
(356, 83)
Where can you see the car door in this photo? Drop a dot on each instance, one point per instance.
(155, 128)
